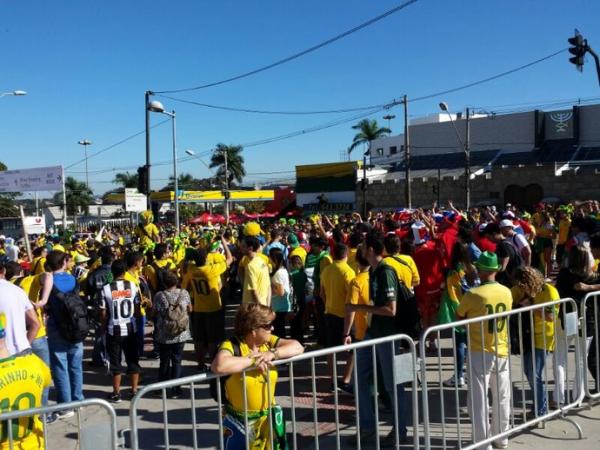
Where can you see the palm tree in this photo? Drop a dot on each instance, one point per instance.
(369, 131)
(187, 182)
(235, 162)
(79, 196)
(127, 180)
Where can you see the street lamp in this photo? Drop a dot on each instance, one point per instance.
(467, 148)
(389, 117)
(156, 106)
(192, 153)
(13, 93)
(85, 144)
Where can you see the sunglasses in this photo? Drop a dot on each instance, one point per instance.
(267, 326)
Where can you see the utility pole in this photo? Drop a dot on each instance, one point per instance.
(364, 185)
(147, 95)
(407, 189)
(468, 162)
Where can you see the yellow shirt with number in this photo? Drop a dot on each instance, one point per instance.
(335, 283)
(359, 295)
(22, 381)
(543, 320)
(204, 285)
(257, 391)
(489, 298)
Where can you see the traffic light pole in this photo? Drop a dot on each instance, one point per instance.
(408, 191)
(596, 60)
(146, 105)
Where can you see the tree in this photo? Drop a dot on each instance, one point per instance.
(8, 206)
(79, 196)
(369, 131)
(235, 163)
(127, 180)
(187, 182)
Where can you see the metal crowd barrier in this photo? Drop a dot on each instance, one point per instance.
(590, 314)
(505, 377)
(306, 403)
(100, 436)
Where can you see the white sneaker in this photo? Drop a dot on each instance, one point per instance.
(451, 382)
(65, 414)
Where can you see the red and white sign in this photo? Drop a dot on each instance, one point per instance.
(35, 224)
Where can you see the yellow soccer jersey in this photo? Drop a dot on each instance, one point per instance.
(256, 382)
(148, 236)
(32, 285)
(257, 279)
(150, 273)
(22, 381)
(543, 320)
(37, 265)
(335, 283)
(489, 298)
(204, 285)
(359, 295)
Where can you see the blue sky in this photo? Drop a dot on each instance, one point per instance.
(86, 64)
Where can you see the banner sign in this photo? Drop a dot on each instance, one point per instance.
(328, 207)
(134, 201)
(559, 125)
(37, 179)
(35, 224)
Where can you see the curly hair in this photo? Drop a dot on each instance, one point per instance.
(251, 316)
(529, 280)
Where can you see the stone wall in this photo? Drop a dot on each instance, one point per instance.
(489, 188)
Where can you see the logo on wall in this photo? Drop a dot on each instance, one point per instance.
(561, 120)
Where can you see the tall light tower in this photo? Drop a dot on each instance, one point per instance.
(85, 144)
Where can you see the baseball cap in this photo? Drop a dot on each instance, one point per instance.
(252, 229)
(293, 240)
(81, 259)
(506, 223)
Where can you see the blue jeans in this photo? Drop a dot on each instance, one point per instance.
(540, 388)
(140, 325)
(99, 356)
(170, 362)
(66, 366)
(366, 396)
(460, 340)
(39, 346)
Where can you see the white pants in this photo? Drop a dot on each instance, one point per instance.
(487, 371)
(560, 355)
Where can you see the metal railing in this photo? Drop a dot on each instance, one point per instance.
(104, 435)
(590, 316)
(494, 370)
(305, 379)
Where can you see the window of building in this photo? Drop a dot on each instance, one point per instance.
(393, 150)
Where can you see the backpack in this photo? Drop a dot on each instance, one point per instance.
(72, 320)
(160, 277)
(235, 343)
(408, 318)
(176, 318)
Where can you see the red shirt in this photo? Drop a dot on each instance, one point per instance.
(429, 261)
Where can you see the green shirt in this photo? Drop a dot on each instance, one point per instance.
(383, 288)
(299, 279)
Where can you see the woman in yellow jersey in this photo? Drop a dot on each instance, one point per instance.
(257, 348)
(530, 289)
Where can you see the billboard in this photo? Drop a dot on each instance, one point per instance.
(559, 125)
(36, 179)
(326, 183)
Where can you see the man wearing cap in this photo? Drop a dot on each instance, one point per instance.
(506, 252)
(488, 352)
(507, 228)
(256, 287)
(295, 248)
(80, 271)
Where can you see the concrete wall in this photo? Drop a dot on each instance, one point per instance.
(589, 125)
(489, 188)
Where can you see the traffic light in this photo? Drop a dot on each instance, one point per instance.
(226, 194)
(143, 186)
(578, 49)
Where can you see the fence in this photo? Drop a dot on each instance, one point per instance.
(590, 315)
(318, 414)
(97, 435)
(495, 369)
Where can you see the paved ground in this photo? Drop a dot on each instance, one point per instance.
(557, 434)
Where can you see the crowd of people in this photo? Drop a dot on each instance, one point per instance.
(303, 283)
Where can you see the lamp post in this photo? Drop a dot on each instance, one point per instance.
(364, 180)
(467, 149)
(13, 93)
(85, 144)
(389, 118)
(156, 106)
(147, 95)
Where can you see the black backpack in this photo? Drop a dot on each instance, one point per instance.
(72, 320)
(235, 343)
(408, 319)
(160, 277)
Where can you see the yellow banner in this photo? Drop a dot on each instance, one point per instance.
(202, 196)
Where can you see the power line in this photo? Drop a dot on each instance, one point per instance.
(261, 111)
(122, 141)
(296, 55)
